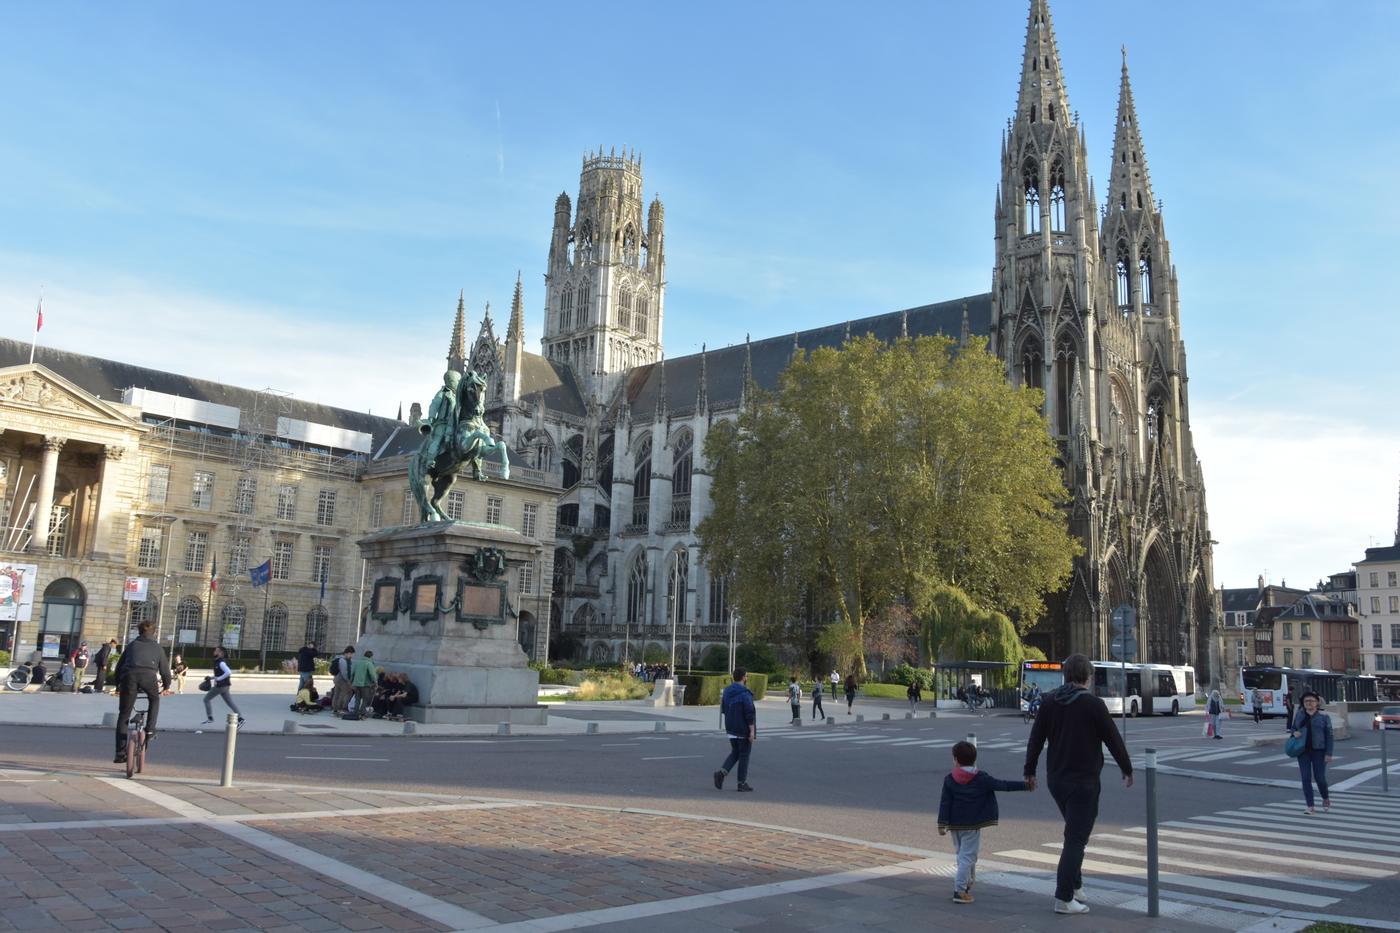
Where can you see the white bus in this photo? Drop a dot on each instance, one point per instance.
(1117, 684)
(1171, 687)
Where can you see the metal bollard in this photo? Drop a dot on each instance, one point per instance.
(591, 729)
(884, 716)
(503, 728)
(860, 717)
(1385, 761)
(908, 715)
(289, 726)
(230, 740)
(1150, 769)
(109, 720)
(410, 727)
(798, 722)
(659, 727)
(933, 714)
(972, 739)
(831, 720)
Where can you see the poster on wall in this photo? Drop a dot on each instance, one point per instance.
(233, 634)
(135, 589)
(17, 591)
(50, 645)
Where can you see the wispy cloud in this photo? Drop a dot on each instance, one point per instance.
(500, 144)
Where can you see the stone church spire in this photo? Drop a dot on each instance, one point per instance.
(457, 346)
(514, 360)
(1043, 98)
(1130, 186)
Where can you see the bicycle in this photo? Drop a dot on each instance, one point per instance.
(136, 738)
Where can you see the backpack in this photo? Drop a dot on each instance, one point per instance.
(794, 693)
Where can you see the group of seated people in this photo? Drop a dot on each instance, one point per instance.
(392, 697)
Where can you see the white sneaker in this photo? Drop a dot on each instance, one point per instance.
(1071, 907)
(1079, 895)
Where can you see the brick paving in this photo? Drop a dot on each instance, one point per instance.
(531, 862)
(35, 797)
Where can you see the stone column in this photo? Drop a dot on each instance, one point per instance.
(104, 522)
(48, 474)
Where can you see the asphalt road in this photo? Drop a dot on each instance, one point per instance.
(877, 781)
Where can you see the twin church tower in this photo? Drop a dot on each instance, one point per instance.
(1083, 304)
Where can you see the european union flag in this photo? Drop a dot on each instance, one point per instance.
(262, 573)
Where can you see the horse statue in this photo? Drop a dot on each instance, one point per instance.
(456, 432)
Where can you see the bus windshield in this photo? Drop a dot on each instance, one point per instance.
(1047, 680)
(1262, 680)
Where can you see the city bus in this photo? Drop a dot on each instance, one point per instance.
(1117, 684)
(1171, 687)
(1048, 675)
(1276, 683)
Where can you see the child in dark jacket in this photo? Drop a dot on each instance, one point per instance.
(969, 803)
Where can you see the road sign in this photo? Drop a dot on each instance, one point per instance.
(1123, 621)
(1122, 649)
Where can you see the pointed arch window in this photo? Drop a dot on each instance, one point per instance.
(566, 308)
(1032, 366)
(1125, 293)
(1155, 417)
(1139, 200)
(1057, 197)
(637, 592)
(1032, 113)
(624, 307)
(1030, 178)
(680, 480)
(583, 303)
(629, 246)
(677, 583)
(1066, 352)
(641, 486)
(643, 317)
(1050, 112)
(1145, 279)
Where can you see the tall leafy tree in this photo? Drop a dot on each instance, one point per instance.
(882, 474)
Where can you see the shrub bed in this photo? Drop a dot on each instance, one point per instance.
(704, 688)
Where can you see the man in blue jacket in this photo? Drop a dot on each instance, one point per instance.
(739, 724)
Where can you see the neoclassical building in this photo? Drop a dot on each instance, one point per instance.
(1083, 304)
(158, 485)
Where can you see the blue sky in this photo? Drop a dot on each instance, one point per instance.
(281, 194)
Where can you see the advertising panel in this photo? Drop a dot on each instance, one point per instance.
(17, 582)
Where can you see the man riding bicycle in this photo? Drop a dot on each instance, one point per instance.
(142, 660)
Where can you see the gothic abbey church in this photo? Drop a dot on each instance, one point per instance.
(1083, 304)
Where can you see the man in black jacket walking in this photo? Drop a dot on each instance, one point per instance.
(142, 660)
(1077, 725)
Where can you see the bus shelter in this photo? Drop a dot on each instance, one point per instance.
(948, 676)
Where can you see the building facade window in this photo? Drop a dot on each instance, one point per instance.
(1377, 636)
(493, 510)
(325, 507)
(245, 495)
(148, 556)
(1287, 657)
(1390, 578)
(1307, 657)
(719, 600)
(1375, 578)
(527, 578)
(1395, 604)
(321, 563)
(286, 501)
(376, 510)
(231, 619)
(1375, 605)
(1305, 630)
(188, 615)
(408, 505)
(317, 623)
(238, 554)
(281, 560)
(196, 545)
(637, 593)
(274, 633)
(1288, 631)
(202, 490)
(1395, 636)
(158, 483)
(1030, 182)
(529, 519)
(1057, 197)
(60, 521)
(456, 505)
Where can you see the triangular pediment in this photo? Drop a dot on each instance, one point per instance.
(45, 392)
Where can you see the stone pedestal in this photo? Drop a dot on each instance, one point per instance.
(441, 608)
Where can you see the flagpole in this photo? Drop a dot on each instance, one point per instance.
(38, 323)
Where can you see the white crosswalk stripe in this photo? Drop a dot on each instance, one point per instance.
(1285, 857)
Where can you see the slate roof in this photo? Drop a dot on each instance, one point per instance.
(1377, 554)
(553, 382)
(1329, 607)
(724, 368)
(1245, 599)
(108, 379)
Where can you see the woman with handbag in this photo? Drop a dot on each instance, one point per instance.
(219, 683)
(1215, 711)
(1312, 737)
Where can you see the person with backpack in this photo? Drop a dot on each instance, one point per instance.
(341, 691)
(141, 663)
(1215, 711)
(219, 682)
(969, 805)
(795, 699)
(81, 660)
(364, 678)
(817, 710)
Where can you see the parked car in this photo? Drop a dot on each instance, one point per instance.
(1388, 718)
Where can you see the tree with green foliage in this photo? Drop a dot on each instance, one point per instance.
(879, 474)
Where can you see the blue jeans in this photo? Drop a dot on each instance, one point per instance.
(1312, 766)
(739, 750)
(304, 679)
(966, 843)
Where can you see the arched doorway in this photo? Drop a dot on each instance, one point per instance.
(61, 627)
(1163, 615)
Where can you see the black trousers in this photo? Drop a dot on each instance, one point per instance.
(132, 684)
(1079, 805)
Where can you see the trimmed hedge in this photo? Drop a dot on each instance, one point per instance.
(704, 688)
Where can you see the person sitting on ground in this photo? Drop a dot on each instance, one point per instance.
(386, 685)
(406, 696)
(308, 699)
(39, 674)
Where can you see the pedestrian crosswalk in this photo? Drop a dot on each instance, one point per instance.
(1278, 855)
(900, 739)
